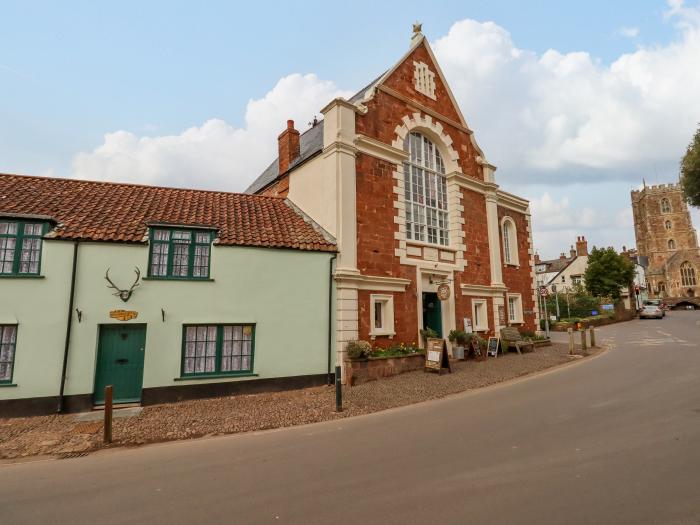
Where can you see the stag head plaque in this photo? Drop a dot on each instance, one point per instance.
(123, 294)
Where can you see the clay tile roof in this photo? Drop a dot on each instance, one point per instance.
(106, 211)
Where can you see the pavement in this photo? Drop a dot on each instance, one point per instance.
(607, 440)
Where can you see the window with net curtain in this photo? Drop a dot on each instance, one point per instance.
(688, 274)
(425, 190)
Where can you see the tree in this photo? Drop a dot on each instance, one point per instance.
(690, 171)
(608, 272)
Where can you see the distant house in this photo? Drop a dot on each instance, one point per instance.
(565, 273)
(164, 293)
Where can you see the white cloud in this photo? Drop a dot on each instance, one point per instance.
(538, 114)
(629, 32)
(216, 154)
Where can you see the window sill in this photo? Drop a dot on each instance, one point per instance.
(215, 376)
(7, 384)
(425, 244)
(512, 265)
(382, 334)
(14, 276)
(179, 279)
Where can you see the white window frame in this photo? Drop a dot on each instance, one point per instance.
(425, 192)
(481, 321)
(515, 315)
(387, 314)
(668, 225)
(509, 241)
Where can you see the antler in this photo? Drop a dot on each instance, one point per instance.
(136, 282)
(111, 284)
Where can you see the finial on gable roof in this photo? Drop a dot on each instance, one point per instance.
(416, 32)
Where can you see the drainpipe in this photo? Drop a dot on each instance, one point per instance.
(69, 325)
(331, 378)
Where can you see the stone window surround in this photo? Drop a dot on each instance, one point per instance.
(512, 242)
(518, 311)
(483, 317)
(387, 302)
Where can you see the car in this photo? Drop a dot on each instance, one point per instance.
(659, 303)
(651, 311)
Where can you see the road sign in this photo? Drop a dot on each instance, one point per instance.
(543, 291)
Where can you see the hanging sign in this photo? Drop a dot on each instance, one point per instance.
(123, 315)
(443, 292)
(436, 355)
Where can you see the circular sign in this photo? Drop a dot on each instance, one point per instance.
(443, 292)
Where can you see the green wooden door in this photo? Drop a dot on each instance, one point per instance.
(432, 312)
(120, 362)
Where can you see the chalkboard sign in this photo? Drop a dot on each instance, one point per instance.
(492, 348)
(436, 355)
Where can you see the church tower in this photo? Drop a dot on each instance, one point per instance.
(665, 234)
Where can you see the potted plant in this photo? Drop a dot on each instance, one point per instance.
(458, 338)
(427, 333)
(358, 349)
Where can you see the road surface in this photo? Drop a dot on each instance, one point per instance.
(611, 440)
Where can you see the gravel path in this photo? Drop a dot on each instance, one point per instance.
(63, 435)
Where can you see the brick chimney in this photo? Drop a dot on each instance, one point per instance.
(562, 256)
(581, 246)
(288, 143)
(537, 258)
(572, 252)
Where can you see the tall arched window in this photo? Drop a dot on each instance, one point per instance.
(510, 241)
(665, 205)
(425, 191)
(668, 225)
(671, 244)
(688, 274)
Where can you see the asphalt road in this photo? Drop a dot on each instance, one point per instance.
(611, 440)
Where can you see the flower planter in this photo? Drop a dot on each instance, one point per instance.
(358, 371)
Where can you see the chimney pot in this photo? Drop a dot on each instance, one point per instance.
(581, 246)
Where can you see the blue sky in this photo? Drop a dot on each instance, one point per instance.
(143, 74)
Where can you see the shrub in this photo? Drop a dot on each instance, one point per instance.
(358, 349)
(458, 336)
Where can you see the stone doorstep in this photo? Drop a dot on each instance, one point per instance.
(98, 414)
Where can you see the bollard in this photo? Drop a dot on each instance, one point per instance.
(592, 337)
(338, 391)
(571, 341)
(108, 414)
(583, 339)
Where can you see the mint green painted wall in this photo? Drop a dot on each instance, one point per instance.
(284, 292)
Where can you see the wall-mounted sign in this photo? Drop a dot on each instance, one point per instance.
(501, 314)
(123, 315)
(468, 325)
(443, 292)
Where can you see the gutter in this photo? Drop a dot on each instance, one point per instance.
(331, 377)
(69, 325)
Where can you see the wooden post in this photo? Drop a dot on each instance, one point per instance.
(583, 339)
(108, 414)
(571, 340)
(592, 337)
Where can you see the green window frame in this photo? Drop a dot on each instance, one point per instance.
(217, 349)
(179, 253)
(20, 247)
(8, 345)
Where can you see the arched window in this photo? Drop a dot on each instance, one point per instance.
(665, 205)
(671, 244)
(510, 241)
(688, 274)
(661, 287)
(425, 191)
(668, 225)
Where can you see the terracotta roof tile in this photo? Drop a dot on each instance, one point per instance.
(107, 211)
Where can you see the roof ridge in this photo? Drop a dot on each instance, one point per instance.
(134, 184)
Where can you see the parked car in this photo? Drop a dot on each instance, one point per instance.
(651, 311)
(659, 303)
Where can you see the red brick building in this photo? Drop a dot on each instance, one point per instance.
(396, 175)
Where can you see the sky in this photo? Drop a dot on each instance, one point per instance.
(575, 102)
